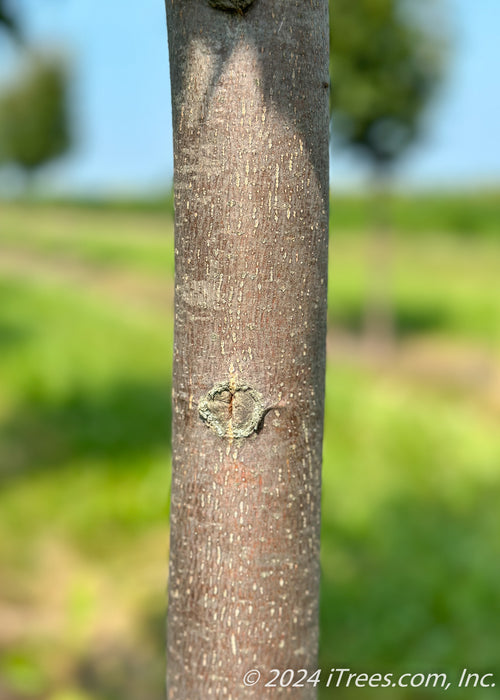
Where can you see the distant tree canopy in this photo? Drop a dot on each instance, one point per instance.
(386, 59)
(34, 118)
(34, 124)
(7, 18)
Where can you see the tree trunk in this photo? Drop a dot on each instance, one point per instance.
(250, 113)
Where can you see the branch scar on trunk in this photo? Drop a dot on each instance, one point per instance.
(238, 6)
(232, 411)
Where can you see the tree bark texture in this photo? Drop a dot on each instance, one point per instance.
(250, 113)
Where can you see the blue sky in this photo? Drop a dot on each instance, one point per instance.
(118, 51)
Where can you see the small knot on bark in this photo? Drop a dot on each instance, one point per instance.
(239, 6)
(232, 411)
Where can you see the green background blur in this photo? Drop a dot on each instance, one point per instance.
(411, 546)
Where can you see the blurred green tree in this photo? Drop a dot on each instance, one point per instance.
(8, 19)
(34, 121)
(387, 58)
(34, 116)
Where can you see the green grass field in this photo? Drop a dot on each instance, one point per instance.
(411, 531)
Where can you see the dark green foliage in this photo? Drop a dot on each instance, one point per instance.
(387, 58)
(34, 117)
(7, 19)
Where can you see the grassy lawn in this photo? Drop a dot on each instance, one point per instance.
(440, 285)
(411, 532)
(138, 241)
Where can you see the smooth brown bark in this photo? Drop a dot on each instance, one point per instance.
(250, 113)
